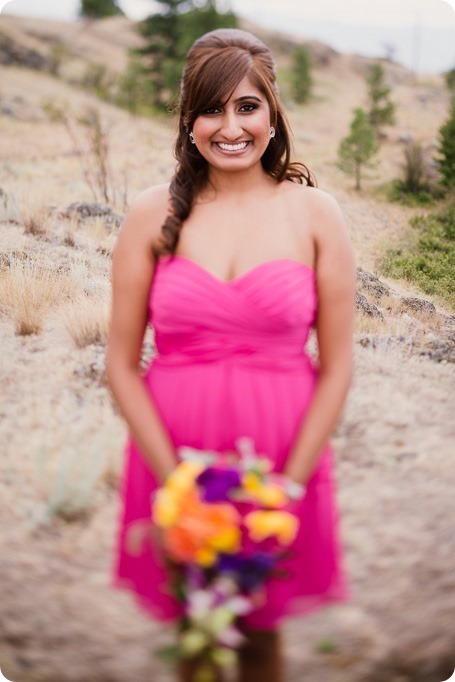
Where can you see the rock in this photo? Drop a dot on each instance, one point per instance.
(92, 209)
(371, 284)
(364, 306)
(11, 52)
(417, 305)
(366, 341)
(440, 351)
(88, 209)
(405, 138)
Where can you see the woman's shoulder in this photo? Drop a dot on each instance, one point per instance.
(148, 211)
(154, 198)
(320, 209)
(314, 196)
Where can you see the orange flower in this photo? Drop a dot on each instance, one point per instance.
(202, 530)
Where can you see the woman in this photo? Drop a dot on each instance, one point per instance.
(232, 263)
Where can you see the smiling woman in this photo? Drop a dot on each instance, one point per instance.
(232, 264)
(235, 133)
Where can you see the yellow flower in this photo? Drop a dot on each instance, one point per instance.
(227, 540)
(271, 495)
(205, 557)
(182, 478)
(165, 508)
(265, 524)
(251, 482)
(224, 657)
(193, 642)
(219, 619)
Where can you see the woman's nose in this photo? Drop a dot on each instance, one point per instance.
(231, 127)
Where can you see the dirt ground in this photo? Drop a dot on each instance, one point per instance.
(62, 439)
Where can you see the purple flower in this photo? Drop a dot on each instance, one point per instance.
(216, 483)
(194, 577)
(250, 572)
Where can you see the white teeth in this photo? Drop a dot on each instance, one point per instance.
(232, 147)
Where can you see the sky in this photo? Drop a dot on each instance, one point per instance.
(420, 32)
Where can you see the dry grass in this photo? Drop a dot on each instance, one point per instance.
(389, 326)
(67, 474)
(9, 208)
(399, 320)
(87, 320)
(28, 291)
(98, 236)
(35, 220)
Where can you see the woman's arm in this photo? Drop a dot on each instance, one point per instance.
(132, 271)
(336, 282)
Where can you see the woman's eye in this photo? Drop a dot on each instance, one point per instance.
(246, 108)
(210, 111)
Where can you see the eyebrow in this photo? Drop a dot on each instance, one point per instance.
(241, 99)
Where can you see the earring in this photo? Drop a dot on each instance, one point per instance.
(191, 136)
(272, 132)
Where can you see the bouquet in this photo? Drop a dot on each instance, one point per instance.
(225, 521)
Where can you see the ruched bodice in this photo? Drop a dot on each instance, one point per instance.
(231, 363)
(261, 318)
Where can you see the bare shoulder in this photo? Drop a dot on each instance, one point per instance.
(334, 251)
(321, 210)
(147, 213)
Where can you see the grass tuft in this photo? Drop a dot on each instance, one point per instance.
(35, 219)
(28, 291)
(87, 321)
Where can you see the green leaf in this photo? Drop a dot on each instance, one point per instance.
(326, 646)
(169, 654)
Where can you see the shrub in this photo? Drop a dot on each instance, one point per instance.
(446, 159)
(416, 188)
(90, 138)
(429, 256)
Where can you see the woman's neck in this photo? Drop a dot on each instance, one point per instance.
(238, 182)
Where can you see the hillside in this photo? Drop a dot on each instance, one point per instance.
(62, 439)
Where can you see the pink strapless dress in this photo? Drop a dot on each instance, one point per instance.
(231, 362)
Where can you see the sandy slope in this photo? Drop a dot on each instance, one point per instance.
(60, 621)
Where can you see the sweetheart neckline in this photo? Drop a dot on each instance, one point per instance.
(243, 275)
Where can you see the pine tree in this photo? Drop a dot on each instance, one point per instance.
(98, 9)
(169, 34)
(381, 108)
(301, 75)
(446, 149)
(357, 149)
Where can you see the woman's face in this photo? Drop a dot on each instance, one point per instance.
(234, 136)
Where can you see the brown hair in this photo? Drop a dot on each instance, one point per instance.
(215, 65)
